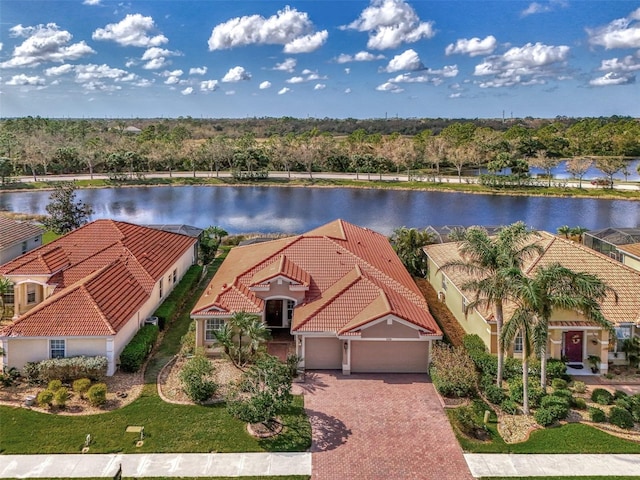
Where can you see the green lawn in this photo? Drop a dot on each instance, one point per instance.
(49, 236)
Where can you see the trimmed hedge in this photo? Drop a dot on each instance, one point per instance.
(452, 371)
(621, 418)
(602, 396)
(66, 369)
(486, 362)
(97, 394)
(172, 303)
(516, 391)
(136, 351)
(597, 415)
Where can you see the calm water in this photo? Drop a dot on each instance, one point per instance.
(274, 209)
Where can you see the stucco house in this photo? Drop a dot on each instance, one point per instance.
(17, 238)
(340, 290)
(88, 292)
(572, 337)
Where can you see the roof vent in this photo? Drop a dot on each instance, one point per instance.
(224, 285)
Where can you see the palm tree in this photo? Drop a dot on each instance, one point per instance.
(564, 230)
(488, 260)
(257, 333)
(408, 244)
(557, 287)
(211, 239)
(578, 232)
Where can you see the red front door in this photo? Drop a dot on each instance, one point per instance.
(573, 346)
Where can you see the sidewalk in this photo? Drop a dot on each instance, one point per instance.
(156, 465)
(510, 465)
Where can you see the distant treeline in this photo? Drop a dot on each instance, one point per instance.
(41, 146)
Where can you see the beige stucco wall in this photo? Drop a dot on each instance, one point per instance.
(384, 330)
(280, 291)
(90, 347)
(631, 262)
(23, 350)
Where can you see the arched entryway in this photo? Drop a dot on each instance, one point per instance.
(279, 312)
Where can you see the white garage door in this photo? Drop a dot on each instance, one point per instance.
(323, 353)
(389, 357)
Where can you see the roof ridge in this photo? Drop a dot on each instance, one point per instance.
(529, 269)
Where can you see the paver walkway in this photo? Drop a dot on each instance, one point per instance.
(380, 426)
(155, 465)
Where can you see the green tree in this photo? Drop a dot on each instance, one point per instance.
(408, 244)
(578, 231)
(556, 287)
(241, 337)
(65, 212)
(610, 166)
(210, 242)
(487, 260)
(545, 162)
(564, 230)
(6, 169)
(5, 287)
(578, 167)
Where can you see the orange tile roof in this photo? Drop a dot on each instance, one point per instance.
(623, 279)
(13, 231)
(348, 270)
(102, 272)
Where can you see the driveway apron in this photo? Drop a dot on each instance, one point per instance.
(380, 426)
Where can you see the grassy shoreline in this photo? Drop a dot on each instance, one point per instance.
(598, 193)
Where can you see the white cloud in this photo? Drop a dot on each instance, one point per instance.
(362, 56)
(473, 46)
(613, 78)
(455, 95)
(23, 79)
(535, 7)
(156, 58)
(172, 77)
(91, 2)
(198, 71)
(389, 87)
(620, 33)
(287, 27)
(347, 70)
(143, 82)
(319, 86)
(209, 85)
(230, 92)
(289, 65)
(407, 60)
(626, 64)
(92, 72)
(44, 43)
(187, 91)
(61, 70)
(308, 43)
(525, 65)
(132, 31)
(284, 90)
(347, 91)
(391, 23)
(1, 46)
(264, 85)
(236, 74)
(295, 80)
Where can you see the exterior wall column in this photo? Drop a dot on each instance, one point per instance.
(555, 344)
(110, 354)
(199, 332)
(603, 338)
(346, 357)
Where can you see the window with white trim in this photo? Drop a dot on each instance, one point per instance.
(31, 293)
(211, 326)
(622, 333)
(161, 287)
(175, 275)
(57, 348)
(517, 343)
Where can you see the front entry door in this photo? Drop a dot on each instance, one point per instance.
(274, 313)
(573, 346)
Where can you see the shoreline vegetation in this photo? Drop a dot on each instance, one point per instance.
(329, 180)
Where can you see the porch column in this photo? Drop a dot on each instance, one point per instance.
(199, 332)
(110, 354)
(555, 344)
(346, 357)
(603, 338)
(17, 296)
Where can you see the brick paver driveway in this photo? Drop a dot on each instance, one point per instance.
(380, 426)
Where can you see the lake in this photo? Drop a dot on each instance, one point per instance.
(292, 210)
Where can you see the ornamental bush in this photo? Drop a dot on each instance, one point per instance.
(54, 385)
(535, 391)
(45, 398)
(136, 351)
(621, 418)
(580, 403)
(195, 378)
(560, 405)
(81, 386)
(66, 369)
(544, 416)
(602, 396)
(61, 396)
(452, 371)
(97, 394)
(579, 387)
(559, 384)
(597, 415)
(494, 394)
(509, 407)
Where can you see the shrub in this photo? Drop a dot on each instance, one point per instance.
(167, 311)
(635, 413)
(620, 394)
(31, 373)
(512, 368)
(188, 341)
(556, 369)
(558, 384)
(452, 371)
(559, 405)
(509, 406)
(9, 376)
(467, 421)
(45, 398)
(546, 416)
(195, 379)
(580, 403)
(136, 351)
(579, 387)
(60, 397)
(535, 391)
(597, 415)
(494, 394)
(602, 396)
(97, 394)
(621, 418)
(81, 386)
(66, 369)
(623, 403)
(566, 394)
(54, 385)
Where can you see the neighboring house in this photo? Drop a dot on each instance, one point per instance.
(441, 233)
(339, 289)
(183, 229)
(630, 255)
(17, 238)
(88, 292)
(609, 240)
(571, 337)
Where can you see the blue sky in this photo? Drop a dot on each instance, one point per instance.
(319, 58)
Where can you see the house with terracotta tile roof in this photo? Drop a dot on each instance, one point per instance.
(88, 292)
(630, 255)
(17, 238)
(340, 290)
(571, 337)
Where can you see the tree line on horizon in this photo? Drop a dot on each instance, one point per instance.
(40, 146)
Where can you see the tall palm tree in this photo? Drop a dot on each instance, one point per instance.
(257, 334)
(557, 287)
(488, 261)
(408, 244)
(564, 230)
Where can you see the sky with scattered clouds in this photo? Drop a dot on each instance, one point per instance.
(319, 58)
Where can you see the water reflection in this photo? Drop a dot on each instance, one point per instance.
(273, 209)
